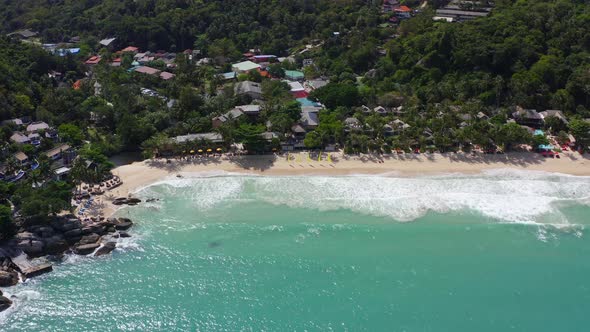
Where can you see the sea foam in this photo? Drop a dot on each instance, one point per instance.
(506, 195)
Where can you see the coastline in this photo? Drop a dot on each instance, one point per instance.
(140, 174)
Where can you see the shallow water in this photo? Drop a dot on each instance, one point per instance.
(494, 252)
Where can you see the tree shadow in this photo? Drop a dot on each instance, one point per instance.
(257, 163)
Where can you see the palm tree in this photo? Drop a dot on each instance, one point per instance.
(35, 178)
(44, 167)
(79, 172)
(12, 165)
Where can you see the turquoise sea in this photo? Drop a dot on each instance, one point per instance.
(500, 251)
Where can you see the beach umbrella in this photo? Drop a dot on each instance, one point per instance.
(218, 149)
(200, 151)
(192, 151)
(209, 150)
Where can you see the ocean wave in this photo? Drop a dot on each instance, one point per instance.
(508, 195)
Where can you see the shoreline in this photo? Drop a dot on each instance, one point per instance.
(138, 175)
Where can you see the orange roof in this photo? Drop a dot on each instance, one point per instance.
(403, 9)
(77, 85)
(93, 60)
(263, 73)
(130, 49)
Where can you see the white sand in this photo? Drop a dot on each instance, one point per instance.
(141, 174)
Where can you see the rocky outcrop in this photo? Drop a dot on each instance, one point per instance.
(126, 200)
(91, 238)
(123, 224)
(38, 270)
(106, 249)
(8, 279)
(32, 247)
(56, 245)
(86, 249)
(5, 303)
(55, 237)
(63, 233)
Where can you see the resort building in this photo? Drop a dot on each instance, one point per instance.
(244, 67)
(248, 88)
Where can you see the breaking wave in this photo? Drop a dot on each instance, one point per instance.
(507, 195)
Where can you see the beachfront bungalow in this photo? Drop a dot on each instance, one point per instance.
(399, 126)
(57, 152)
(61, 173)
(244, 67)
(380, 110)
(229, 116)
(21, 158)
(352, 124)
(252, 89)
(35, 139)
(250, 110)
(528, 117)
(309, 119)
(555, 113)
(298, 131)
(20, 138)
(35, 127)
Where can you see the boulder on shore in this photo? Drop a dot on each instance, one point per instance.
(56, 245)
(124, 234)
(5, 303)
(73, 233)
(88, 239)
(86, 249)
(31, 247)
(8, 279)
(123, 224)
(106, 249)
(38, 270)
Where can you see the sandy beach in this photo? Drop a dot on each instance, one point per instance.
(140, 174)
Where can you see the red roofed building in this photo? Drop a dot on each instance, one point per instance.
(147, 70)
(166, 75)
(300, 94)
(116, 62)
(131, 49)
(403, 11)
(94, 60)
(77, 85)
